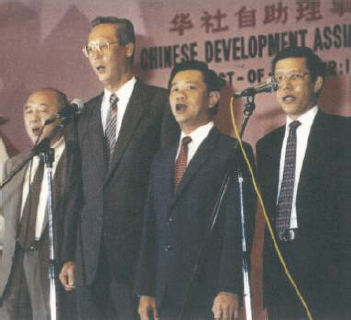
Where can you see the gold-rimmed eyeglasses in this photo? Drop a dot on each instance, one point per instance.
(291, 76)
(100, 47)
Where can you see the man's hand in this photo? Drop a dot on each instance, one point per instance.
(147, 304)
(67, 276)
(226, 306)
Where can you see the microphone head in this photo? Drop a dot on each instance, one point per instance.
(270, 85)
(273, 84)
(72, 109)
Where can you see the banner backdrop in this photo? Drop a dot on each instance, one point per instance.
(41, 46)
(41, 41)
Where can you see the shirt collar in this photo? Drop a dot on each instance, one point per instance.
(306, 119)
(199, 133)
(124, 92)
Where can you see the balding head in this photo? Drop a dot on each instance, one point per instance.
(41, 105)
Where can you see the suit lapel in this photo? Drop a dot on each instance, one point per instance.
(132, 116)
(167, 172)
(17, 188)
(315, 146)
(200, 158)
(313, 161)
(274, 164)
(93, 135)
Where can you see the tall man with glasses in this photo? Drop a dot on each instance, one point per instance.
(118, 133)
(303, 168)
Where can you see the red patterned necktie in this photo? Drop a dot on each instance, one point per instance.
(181, 162)
(111, 125)
(287, 187)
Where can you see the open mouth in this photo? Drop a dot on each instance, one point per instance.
(289, 98)
(36, 131)
(180, 107)
(100, 68)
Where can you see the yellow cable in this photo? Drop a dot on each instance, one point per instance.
(282, 261)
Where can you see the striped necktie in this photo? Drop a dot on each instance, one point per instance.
(111, 125)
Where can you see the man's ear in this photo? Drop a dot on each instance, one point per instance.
(318, 84)
(213, 98)
(130, 49)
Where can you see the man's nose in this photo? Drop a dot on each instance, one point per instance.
(180, 96)
(95, 54)
(285, 84)
(35, 118)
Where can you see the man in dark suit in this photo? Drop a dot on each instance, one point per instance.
(303, 168)
(118, 133)
(24, 283)
(184, 185)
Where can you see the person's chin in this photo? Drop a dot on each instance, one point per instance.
(102, 77)
(288, 108)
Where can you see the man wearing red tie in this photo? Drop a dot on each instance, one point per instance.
(185, 182)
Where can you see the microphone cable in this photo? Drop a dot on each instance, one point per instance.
(269, 226)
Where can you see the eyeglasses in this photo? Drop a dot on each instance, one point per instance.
(100, 47)
(291, 76)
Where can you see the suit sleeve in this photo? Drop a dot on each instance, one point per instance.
(145, 280)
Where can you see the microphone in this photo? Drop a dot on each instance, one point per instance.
(269, 85)
(74, 108)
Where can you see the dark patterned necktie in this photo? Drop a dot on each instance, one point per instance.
(181, 162)
(26, 232)
(111, 125)
(287, 187)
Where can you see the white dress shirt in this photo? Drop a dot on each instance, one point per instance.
(59, 147)
(197, 136)
(123, 94)
(302, 134)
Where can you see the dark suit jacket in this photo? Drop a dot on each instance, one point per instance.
(175, 226)
(107, 201)
(12, 199)
(315, 258)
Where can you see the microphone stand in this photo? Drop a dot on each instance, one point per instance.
(49, 156)
(249, 108)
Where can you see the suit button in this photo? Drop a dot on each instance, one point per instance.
(168, 248)
(169, 221)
